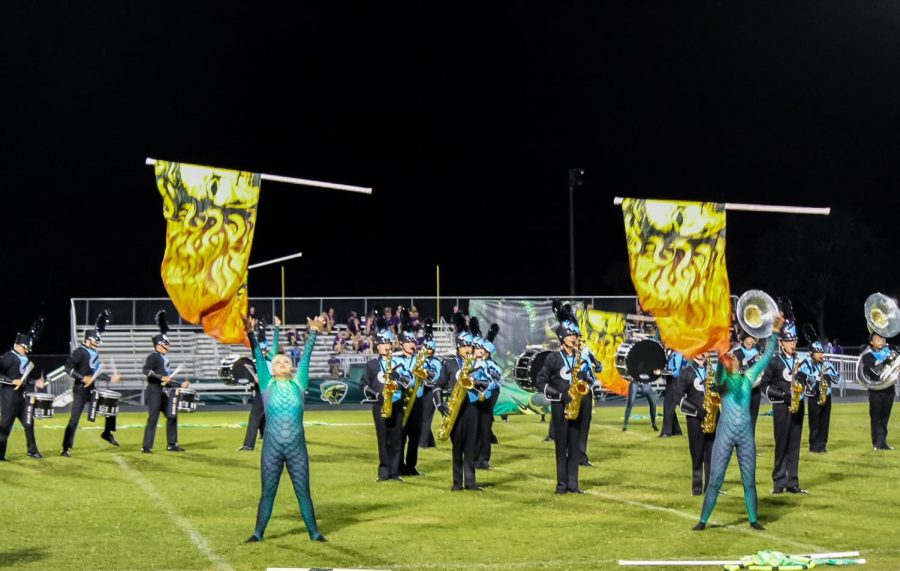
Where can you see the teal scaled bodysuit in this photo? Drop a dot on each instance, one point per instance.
(735, 431)
(285, 442)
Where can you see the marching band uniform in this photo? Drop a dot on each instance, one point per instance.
(735, 431)
(388, 431)
(880, 400)
(554, 381)
(13, 366)
(748, 354)
(85, 362)
(464, 434)
(491, 374)
(644, 388)
(256, 423)
(587, 370)
(284, 445)
(412, 430)
(788, 427)
(689, 394)
(670, 424)
(156, 368)
(433, 365)
(810, 374)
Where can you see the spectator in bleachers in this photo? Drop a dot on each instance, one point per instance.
(836, 347)
(393, 321)
(324, 317)
(365, 346)
(353, 329)
(331, 321)
(334, 362)
(414, 320)
(829, 348)
(294, 345)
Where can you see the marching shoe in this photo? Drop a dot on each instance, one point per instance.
(777, 490)
(146, 451)
(321, 538)
(174, 448)
(456, 488)
(245, 449)
(35, 455)
(475, 488)
(755, 525)
(796, 490)
(66, 452)
(699, 527)
(109, 438)
(576, 491)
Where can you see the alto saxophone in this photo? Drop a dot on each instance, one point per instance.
(823, 385)
(419, 374)
(577, 390)
(390, 387)
(712, 401)
(796, 389)
(463, 384)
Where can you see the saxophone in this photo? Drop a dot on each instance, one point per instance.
(463, 384)
(419, 374)
(796, 389)
(712, 401)
(577, 390)
(823, 385)
(390, 387)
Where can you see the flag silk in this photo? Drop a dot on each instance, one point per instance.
(603, 332)
(676, 251)
(210, 217)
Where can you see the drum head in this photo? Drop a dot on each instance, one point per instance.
(237, 370)
(528, 365)
(643, 359)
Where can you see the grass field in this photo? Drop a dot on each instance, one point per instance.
(115, 508)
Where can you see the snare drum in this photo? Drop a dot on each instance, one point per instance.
(187, 400)
(237, 370)
(107, 402)
(639, 361)
(528, 365)
(41, 404)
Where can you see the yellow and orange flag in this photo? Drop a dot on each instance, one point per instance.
(603, 332)
(676, 251)
(210, 217)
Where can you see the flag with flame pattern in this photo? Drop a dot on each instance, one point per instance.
(676, 251)
(210, 217)
(603, 332)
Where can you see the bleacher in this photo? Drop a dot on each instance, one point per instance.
(125, 348)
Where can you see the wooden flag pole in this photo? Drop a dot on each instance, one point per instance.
(302, 181)
(283, 314)
(763, 208)
(437, 308)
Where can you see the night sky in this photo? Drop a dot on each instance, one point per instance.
(463, 119)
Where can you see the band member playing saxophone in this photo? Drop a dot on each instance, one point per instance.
(816, 376)
(556, 378)
(381, 387)
(689, 394)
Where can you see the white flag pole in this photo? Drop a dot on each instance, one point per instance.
(275, 261)
(302, 181)
(763, 208)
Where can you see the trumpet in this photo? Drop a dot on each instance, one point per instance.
(390, 387)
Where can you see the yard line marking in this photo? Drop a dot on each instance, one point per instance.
(195, 536)
(685, 515)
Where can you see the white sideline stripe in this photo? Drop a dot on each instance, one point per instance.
(684, 515)
(195, 536)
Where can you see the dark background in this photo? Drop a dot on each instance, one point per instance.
(465, 121)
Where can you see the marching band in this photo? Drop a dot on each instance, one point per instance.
(407, 387)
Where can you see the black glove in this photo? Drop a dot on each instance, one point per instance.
(444, 409)
(395, 375)
(494, 374)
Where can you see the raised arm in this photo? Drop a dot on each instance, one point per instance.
(759, 366)
(314, 326)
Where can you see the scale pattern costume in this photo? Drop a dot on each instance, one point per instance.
(735, 431)
(285, 441)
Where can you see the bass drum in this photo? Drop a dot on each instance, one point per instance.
(237, 370)
(641, 361)
(528, 365)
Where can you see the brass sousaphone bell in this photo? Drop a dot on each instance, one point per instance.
(883, 318)
(756, 311)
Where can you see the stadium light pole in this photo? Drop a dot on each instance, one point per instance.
(576, 178)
